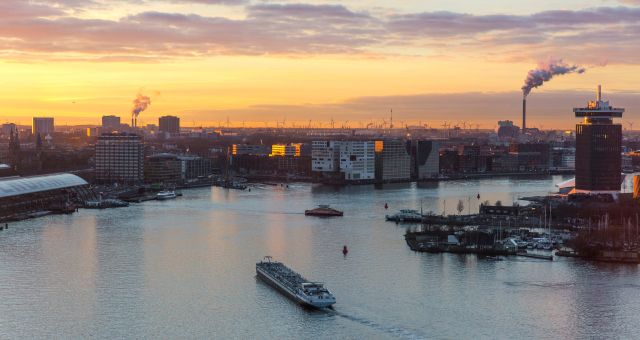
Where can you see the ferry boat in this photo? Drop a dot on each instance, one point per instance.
(405, 215)
(323, 211)
(166, 195)
(293, 285)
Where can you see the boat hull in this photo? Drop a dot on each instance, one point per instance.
(264, 276)
(322, 214)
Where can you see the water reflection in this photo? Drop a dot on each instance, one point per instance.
(185, 268)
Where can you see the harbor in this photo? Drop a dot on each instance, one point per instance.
(186, 266)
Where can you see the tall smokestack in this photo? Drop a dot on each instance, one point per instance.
(524, 114)
(139, 104)
(599, 97)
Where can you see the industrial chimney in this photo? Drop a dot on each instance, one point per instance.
(524, 114)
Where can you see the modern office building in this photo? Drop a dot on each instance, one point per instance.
(531, 157)
(392, 161)
(245, 149)
(42, 126)
(193, 167)
(119, 158)
(598, 147)
(344, 160)
(325, 156)
(169, 124)
(425, 159)
(357, 160)
(292, 150)
(164, 168)
(110, 124)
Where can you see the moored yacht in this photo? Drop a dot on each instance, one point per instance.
(405, 215)
(166, 195)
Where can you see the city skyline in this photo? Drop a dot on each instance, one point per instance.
(257, 62)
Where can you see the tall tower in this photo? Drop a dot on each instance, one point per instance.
(598, 146)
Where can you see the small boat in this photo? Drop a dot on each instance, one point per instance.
(105, 203)
(166, 195)
(293, 285)
(323, 211)
(405, 215)
(234, 185)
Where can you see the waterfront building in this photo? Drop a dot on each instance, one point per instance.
(448, 161)
(169, 124)
(110, 124)
(471, 159)
(563, 158)
(392, 161)
(357, 160)
(192, 167)
(24, 195)
(425, 159)
(119, 158)
(42, 126)
(164, 168)
(325, 156)
(245, 149)
(530, 157)
(344, 160)
(598, 147)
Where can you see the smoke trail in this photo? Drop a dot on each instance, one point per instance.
(546, 71)
(140, 104)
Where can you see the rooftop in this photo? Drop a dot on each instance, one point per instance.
(15, 186)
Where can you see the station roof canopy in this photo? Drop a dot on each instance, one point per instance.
(15, 186)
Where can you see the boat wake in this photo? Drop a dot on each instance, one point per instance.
(393, 330)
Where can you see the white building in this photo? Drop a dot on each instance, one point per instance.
(325, 156)
(357, 160)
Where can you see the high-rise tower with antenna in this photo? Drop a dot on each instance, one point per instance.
(598, 146)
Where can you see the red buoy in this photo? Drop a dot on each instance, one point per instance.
(386, 206)
(345, 251)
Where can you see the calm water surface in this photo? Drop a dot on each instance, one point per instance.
(186, 269)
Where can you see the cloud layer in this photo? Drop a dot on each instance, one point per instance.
(56, 30)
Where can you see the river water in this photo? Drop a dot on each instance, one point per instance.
(186, 269)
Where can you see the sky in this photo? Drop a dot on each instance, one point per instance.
(255, 62)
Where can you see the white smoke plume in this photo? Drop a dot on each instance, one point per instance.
(546, 71)
(140, 104)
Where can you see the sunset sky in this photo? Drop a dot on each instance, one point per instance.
(262, 61)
